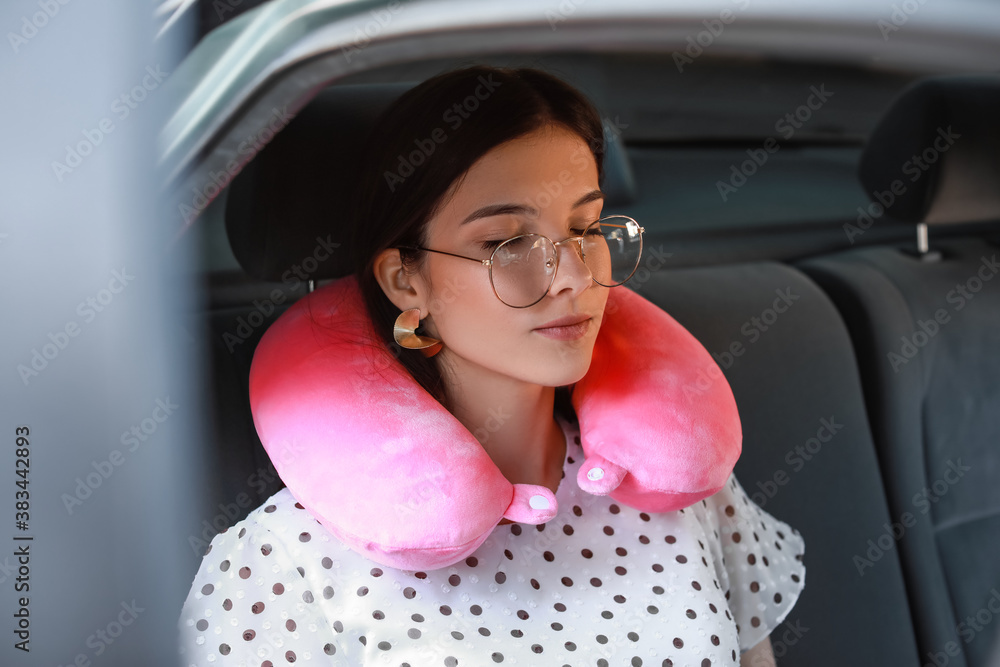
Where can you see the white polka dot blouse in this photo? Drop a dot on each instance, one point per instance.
(601, 584)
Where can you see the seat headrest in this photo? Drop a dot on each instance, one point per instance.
(934, 157)
(285, 203)
(298, 187)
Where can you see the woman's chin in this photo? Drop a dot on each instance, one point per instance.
(566, 372)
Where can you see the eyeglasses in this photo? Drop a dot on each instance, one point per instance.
(523, 268)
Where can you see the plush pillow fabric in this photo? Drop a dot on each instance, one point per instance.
(389, 471)
(658, 421)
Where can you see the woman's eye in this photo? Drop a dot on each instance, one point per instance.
(491, 245)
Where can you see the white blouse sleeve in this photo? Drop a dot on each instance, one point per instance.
(758, 560)
(250, 606)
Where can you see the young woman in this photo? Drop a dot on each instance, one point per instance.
(515, 152)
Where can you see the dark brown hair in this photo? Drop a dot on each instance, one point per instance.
(426, 140)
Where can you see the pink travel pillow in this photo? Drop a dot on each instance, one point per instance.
(389, 471)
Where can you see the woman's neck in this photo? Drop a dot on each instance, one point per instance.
(513, 421)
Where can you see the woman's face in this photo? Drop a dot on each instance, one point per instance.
(546, 182)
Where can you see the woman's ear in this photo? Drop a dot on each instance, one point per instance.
(395, 282)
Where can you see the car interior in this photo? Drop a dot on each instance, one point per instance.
(844, 284)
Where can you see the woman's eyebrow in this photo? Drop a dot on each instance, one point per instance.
(593, 195)
(500, 209)
(524, 209)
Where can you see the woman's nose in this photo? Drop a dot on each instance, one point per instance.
(573, 271)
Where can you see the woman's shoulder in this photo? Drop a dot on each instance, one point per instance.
(259, 590)
(279, 525)
(758, 558)
(276, 511)
(731, 513)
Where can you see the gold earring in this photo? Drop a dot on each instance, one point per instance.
(403, 332)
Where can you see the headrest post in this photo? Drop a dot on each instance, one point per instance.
(923, 251)
(312, 285)
(922, 246)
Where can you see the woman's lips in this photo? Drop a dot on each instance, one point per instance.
(571, 332)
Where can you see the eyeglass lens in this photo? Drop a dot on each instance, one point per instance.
(523, 268)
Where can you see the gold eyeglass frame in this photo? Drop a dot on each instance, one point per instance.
(488, 263)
